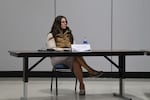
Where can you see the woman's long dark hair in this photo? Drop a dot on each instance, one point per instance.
(56, 27)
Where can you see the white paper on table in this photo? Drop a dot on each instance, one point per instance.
(80, 47)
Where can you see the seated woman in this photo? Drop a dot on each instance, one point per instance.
(61, 37)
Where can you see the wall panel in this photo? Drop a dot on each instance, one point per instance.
(24, 25)
(90, 19)
(131, 30)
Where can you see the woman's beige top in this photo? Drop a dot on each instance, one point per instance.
(61, 41)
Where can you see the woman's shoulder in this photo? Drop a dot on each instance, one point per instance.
(49, 36)
(49, 33)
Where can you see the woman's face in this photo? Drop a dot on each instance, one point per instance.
(63, 23)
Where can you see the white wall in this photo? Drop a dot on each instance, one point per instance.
(131, 30)
(24, 25)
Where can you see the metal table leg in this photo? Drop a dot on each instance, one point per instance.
(121, 91)
(25, 79)
(121, 78)
(25, 91)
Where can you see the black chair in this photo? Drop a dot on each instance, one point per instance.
(60, 68)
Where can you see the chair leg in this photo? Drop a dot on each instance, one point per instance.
(55, 75)
(56, 83)
(52, 82)
(76, 84)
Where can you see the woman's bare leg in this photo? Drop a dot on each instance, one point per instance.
(78, 73)
(85, 65)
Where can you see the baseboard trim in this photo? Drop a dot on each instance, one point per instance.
(69, 74)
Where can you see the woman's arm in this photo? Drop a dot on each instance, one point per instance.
(51, 42)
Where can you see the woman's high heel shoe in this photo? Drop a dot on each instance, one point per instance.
(96, 74)
(82, 89)
(82, 92)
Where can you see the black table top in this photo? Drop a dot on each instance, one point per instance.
(147, 52)
(47, 53)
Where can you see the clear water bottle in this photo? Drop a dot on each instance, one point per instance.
(85, 41)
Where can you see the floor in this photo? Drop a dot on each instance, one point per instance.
(96, 89)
